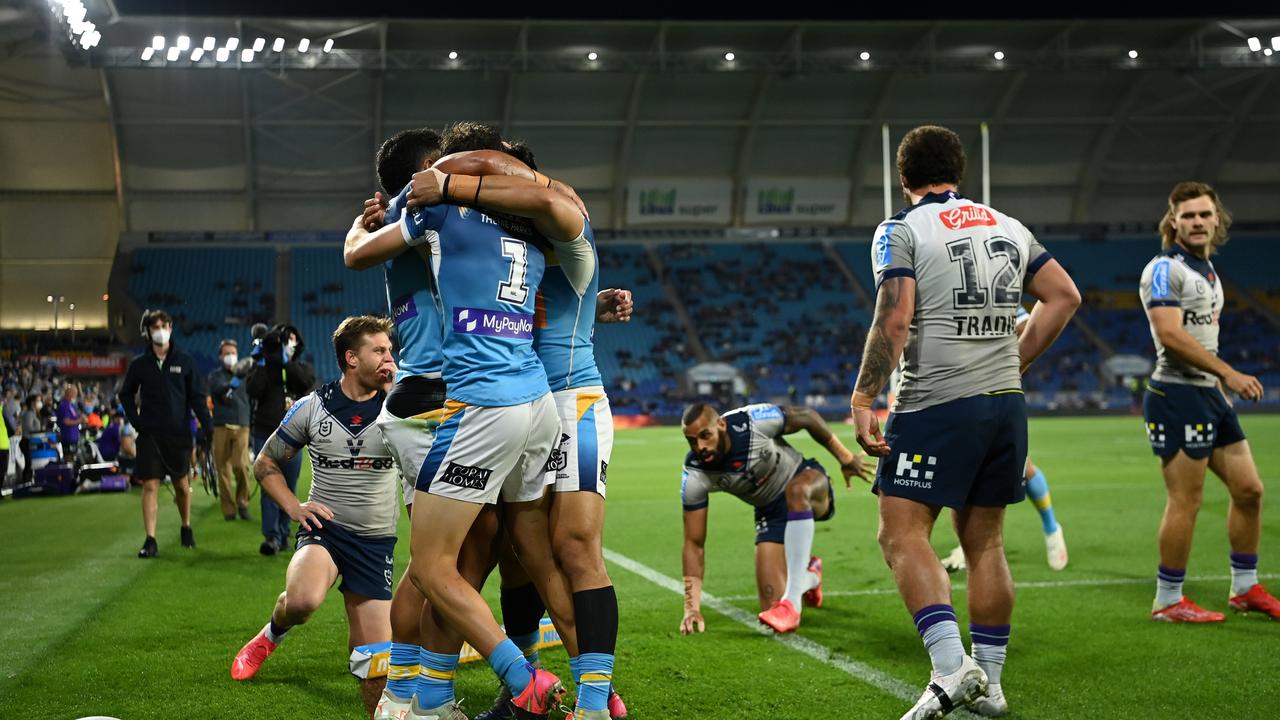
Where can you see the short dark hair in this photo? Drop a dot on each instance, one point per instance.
(227, 342)
(930, 155)
(352, 331)
(467, 135)
(521, 151)
(151, 317)
(695, 411)
(402, 155)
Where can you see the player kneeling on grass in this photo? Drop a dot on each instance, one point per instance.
(744, 454)
(348, 524)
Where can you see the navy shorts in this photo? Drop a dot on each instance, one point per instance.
(365, 564)
(771, 520)
(1189, 418)
(970, 451)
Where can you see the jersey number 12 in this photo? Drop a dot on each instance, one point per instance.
(1006, 286)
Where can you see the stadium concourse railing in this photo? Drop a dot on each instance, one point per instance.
(643, 362)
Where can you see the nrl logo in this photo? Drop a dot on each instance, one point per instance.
(559, 459)
(326, 427)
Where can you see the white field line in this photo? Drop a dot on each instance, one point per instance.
(821, 653)
(1083, 582)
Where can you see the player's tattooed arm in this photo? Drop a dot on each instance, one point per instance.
(800, 417)
(895, 308)
(275, 454)
(693, 561)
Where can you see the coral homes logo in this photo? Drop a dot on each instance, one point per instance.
(966, 216)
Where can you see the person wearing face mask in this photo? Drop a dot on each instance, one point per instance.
(278, 377)
(32, 424)
(160, 387)
(231, 431)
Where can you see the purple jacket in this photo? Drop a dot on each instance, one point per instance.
(68, 411)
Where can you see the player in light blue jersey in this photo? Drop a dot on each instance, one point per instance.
(499, 418)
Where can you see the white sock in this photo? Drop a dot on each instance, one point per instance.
(274, 638)
(1244, 572)
(797, 544)
(1168, 586)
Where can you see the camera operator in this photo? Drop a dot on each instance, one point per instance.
(278, 377)
(160, 388)
(231, 430)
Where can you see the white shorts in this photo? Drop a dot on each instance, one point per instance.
(481, 453)
(409, 440)
(581, 458)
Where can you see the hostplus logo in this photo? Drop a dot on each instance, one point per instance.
(1155, 433)
(493, 323)
(658, 202)
(1198, 435)
(909, 471)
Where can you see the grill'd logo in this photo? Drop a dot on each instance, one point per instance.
(966, 217)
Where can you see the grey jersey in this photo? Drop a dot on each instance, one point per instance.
(353, 472)
(969, 262)
(757, 467)
(1176, 278)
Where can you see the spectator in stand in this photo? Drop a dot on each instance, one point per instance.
(13, 409)
(230, 432)
(69, 418)
(279, 376)
(32, 424)
(118, 442)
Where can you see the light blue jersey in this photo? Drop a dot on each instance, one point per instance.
(566, 321)
(414, 307)
(487, 281)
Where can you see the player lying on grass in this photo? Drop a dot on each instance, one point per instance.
(743, 453)
(347, 527)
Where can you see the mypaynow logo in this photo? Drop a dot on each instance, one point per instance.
(493, 323)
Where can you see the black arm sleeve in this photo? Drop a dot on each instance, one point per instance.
(128, 393)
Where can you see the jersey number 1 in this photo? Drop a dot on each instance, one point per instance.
(513, 289)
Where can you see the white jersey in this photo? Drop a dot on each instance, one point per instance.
(353, 472)
(1176, 278)
(757, 467)
(969, 262)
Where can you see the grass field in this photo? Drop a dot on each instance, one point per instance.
(88, 629)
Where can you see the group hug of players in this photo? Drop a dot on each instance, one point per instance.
(498, 423)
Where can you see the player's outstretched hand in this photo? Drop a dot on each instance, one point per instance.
(853, 467)
(375, 209)
(310, 513)
(614, 306)
(1246, 386)
(426, 188)
(692, 623)
(569, 192)
(868, 428)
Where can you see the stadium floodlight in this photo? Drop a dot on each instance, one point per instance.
(48, 298)
(592, 56)
(210, 42)
(222, 55)
(232, 44)
(328, 45)
(1275, 43)
(304, 44)
(1255, 44)
(278, 45)
(184, 43)
(865, 56)
(1267, 52)
(1133, 54)
(197, 54)
(147, 52)
(730, 57)
(157, 42)
(453, 54)
(173, 54)
(246, 55)
(259, 44)
(90, 39)
(998, 55)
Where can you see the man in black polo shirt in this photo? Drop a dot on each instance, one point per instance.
(160, 389)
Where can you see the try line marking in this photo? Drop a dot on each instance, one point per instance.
(821, 653)
(1082, 582)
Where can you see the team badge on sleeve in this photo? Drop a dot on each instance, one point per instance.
(1160, 280)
